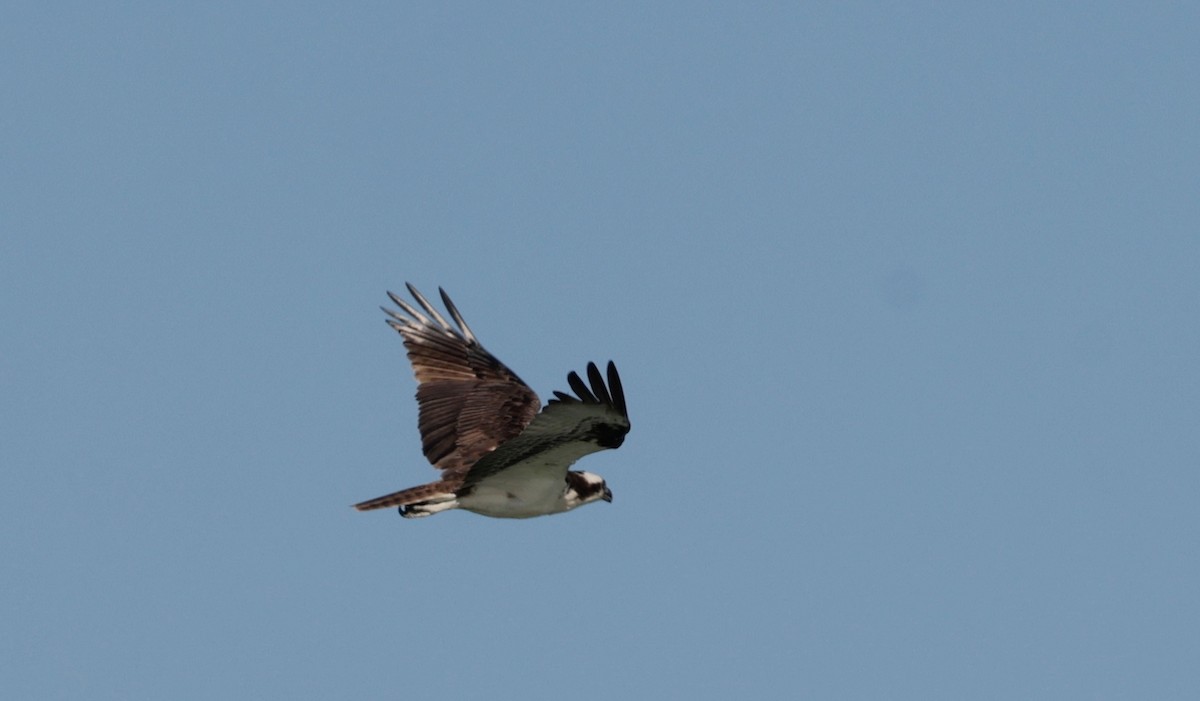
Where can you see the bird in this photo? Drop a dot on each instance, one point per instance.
(501, 452)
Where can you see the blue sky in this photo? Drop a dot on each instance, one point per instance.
(905, 298)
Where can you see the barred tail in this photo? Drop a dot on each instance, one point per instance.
(416, 501)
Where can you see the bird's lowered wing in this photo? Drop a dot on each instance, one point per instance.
(568, 428)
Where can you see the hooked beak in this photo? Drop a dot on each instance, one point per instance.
(607, 495)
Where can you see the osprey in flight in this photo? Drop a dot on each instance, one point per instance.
(481, 426)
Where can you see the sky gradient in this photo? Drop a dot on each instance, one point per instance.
(905, 298)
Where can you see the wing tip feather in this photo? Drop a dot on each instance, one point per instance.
(431, 319)
(611, 394)
(458, 317)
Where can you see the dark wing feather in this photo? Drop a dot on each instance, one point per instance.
(568, 427)
(469, 401)
(580, 388)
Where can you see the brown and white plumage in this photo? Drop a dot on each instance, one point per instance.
(481, 425)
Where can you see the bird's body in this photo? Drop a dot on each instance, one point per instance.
(481, 425)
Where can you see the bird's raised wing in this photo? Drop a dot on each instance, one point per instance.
(567, 429)
(469, 401)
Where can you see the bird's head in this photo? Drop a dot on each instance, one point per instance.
(584, 488)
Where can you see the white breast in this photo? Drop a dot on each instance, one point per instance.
(533, 487)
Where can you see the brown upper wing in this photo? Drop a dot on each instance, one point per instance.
(469, 401)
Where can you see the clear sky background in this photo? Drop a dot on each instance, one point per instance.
(906, 298)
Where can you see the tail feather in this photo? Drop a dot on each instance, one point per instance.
(433, 492)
